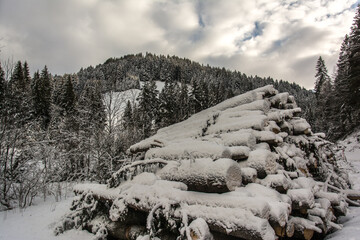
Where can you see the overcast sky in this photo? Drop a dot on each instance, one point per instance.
(277, 38)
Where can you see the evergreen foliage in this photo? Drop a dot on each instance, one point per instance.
(148, 108)
(41, 96)
(2, 89)
(323, 91)
(68, 99)
(340, 104)
(322, 78)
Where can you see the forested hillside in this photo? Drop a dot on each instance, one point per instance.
(207, 85)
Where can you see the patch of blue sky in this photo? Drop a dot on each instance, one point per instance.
(355, 4)
(257, 31)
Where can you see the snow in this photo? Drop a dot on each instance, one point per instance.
(183, 149)
(303, 223)
(300, 126)
(159, 85)
(262, 160)
(350, 147)
(204, 172)
(199, 228)
(302, 197)
(37, 222)
(276, 181)
(233, 219)
(280, 99)
(239, 138)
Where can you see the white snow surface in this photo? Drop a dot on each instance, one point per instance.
(351, 222)
(38, 222)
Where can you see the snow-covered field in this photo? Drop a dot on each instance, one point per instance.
(37, 222)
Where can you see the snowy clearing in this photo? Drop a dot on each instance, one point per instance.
(37, 222)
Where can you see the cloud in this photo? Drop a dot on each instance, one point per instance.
(281, 39)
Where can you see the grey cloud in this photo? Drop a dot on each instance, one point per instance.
(283, 38)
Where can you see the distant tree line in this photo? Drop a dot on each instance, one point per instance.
(189, 88)
(338, 100)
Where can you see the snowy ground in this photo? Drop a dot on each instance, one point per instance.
(37, 222)
(351, 222)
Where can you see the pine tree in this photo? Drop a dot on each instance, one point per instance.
(204, 95)
(323, 92)
(68, 99)
(183, 102)
(148, 107)
(41, 96)
(18, 98)
(91, 107)
(17, 80)
(128, 116)
(168, 107)
(27, 78)
(322, 83)
(2, 89)
(346, 111)
(195, 97)
(354, 62)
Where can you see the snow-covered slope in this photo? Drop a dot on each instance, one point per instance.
(115, 102)
(350, 147)
(159, 85)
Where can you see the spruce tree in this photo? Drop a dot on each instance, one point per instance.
(17, 80)
(183, 101)
(3, 99)
(204, 95)
(323, 92)
(195, 97)
(27, 78)
(91, 108)
(354, 62)
(322, 78)
(18, 98)
(346, 111)
(41, 96)
(148, 107)
(2, 89)
(128, 116)
(168, 107)
(68, 99)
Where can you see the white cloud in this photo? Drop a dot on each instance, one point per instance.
(281, 39)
